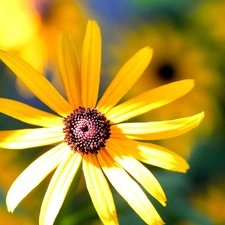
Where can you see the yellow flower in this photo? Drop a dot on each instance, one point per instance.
(176, 57)
(31, 29)
(91, 133)
(6, 218)
(208, 17)
(210, 201)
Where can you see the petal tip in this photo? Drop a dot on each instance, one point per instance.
(9, 204)
(189, 83)
(92, 23)
(163, 202)
(147, 51)
(199, 117)
(186, 167)
(10, 208)
(202, 114)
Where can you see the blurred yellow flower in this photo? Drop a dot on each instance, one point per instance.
(91, 133)
(210, 16)
(211, 202)
(7, 176)
(31, 29)
(18, 23)
(175, 58)
(6, 165)
(6, 218)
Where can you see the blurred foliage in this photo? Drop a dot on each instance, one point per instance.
(190, 35)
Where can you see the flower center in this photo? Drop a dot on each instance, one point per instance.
(86, 130)
(166, 72)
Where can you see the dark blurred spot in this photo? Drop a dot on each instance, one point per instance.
(43, 7)
(166, 72)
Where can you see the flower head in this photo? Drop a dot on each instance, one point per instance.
(31, 28)
(176, 57)
(92, 133)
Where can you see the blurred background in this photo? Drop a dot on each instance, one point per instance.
(188, 39)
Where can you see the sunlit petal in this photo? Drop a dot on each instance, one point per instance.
(33, 175)
(140, 173)
(158, 130)
(125, 79)
(99, 190)
(58, 187)
(128, 189)
(69, 70)
(28, 114)
(109, 151)
(90, 65)
(37, 83)
(28, 138)
(149, 100)
(149, 153)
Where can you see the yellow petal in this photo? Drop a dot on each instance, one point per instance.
(90, 65)
(69, 70)
(28, 114)
(149, 100)
(125, 79)
(149, 153)
(99, 191)
(37, 83)
(140, 173)
(34, 174)
(28, 138)
(128, 189)
(58, 187)
(158, 130)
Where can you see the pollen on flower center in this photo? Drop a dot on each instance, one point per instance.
(86, 130)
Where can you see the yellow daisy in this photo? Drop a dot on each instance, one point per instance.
(210, 201)
(176, 57)
(208, 17)
(31, 29)
(33, 26)
(91, 133)
(7, 219)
